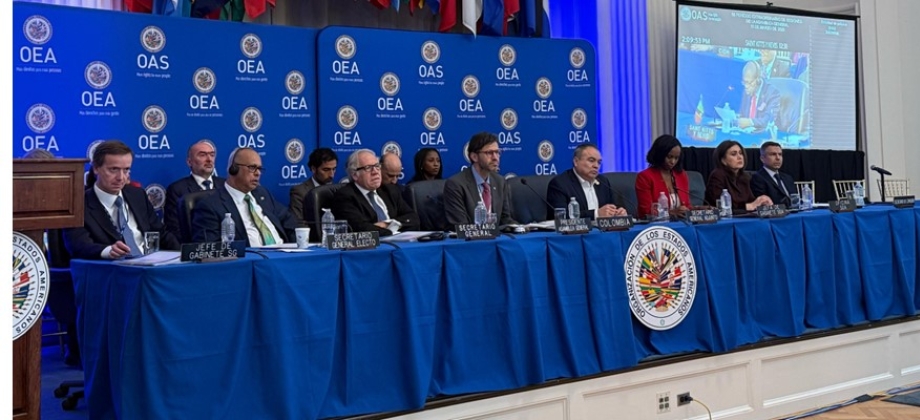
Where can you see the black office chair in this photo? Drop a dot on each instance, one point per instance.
(186, 204)
(624, 188)
(427, 198)
(697, 188)
(314, 203)
(528, 202)
(62, 303)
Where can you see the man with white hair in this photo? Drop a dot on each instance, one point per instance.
(367, 203)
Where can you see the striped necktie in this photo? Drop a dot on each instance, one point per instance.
(267, 238)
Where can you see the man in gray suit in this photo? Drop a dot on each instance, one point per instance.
(479, 182)
(322, 163)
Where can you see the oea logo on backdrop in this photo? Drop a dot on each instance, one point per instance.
(471, 106)
(347, 117)
(98, 76)
(294, 152)
(251, 47)
(154, 120)
(294, 83)
(40, 119)
(545, 151)
(543, 104)
(579, 122)
(251, 120)
(509, 136)
(577, 60)
(430, 71)
(153, 39)
(506, 73)
(346, 48)
(205, 81)
(431, 119)
(38, 31)
(390, 105)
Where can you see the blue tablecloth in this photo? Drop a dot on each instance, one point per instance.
(324, 334)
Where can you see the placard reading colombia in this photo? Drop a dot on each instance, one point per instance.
(660, 278)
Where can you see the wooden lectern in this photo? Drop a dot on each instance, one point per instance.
(47, 194)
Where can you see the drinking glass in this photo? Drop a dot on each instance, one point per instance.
(151, 242)
(794, 201)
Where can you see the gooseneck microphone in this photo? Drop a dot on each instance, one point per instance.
(882, 171)
(548, 205)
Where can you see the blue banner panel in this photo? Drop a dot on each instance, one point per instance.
(161, 84)
(401, 91)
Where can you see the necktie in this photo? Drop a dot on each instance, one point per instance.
(207, 184)
(123, 228)
(487, 196)
(267, 238)
(753, 110)
(780, 182)
(381, 216)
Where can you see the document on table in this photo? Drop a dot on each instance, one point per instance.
(155, 259)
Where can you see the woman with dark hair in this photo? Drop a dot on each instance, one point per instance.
(729, 175)
(427, 165)
(665, 174)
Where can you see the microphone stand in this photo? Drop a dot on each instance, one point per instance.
(882, 176)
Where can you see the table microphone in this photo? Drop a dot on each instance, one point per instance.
(548, 205)
(882, 171)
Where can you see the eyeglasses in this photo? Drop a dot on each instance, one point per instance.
(496, 152)
(252, 168)
(369, 168)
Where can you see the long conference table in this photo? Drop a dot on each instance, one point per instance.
(331, 333)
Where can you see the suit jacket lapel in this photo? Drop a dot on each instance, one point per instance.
(579, 191)
(98, 212)
(134, 204)
(269, 210)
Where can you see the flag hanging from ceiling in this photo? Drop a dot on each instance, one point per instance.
(448, 15)
(493, 17)
(472, 11)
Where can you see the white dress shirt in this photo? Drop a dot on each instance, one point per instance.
(255, 238)
(590, 194)
(108, 201)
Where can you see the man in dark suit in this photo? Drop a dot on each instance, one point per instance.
(594, 194)
(479, 182)
(322, 163)
(774, 67)
(768, 180)
(116, 214)
(200, 160)
(760, 102)
(258, 217)
(367, 203)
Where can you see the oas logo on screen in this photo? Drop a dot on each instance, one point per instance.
(431, 118)
(431, 52)
(251, 45)
(347, 117)
(98, 75)
(154, 118)
(345, 47)
(389, 83)
(546, 151)
(294, 82)
(40, 118)
(685, 13)
(294, 150)
(660, 278)
(509, 119)
(37, 29)
(30, 283)
(579, 119)
(251, 119)
(391, 147)
(153, 39)
(470, 86)
(156, 195)
(544, 88)
(506, 55)
(204, 80)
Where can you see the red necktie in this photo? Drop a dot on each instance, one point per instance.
(753, 107)
(487, 196)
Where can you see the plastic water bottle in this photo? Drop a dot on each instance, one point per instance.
(328, 224)
(227, 229)
(859, 193)
(663, 207)
(480, 213)
(808, 198)
(725, 204)
(574, 209)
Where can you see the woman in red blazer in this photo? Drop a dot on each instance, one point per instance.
(665, 174)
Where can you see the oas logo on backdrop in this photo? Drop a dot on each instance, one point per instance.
(294, 150)
(154, 118)
(544, 88)
(509, 119)
(153, 39)
(545, 150)
(294, 82)
(347, 117)
(431, 52)
(98, 75)
(577, 57)
(660, 278)
(470, 86)
(251, 45)
(579, 119)
(391, 147)
(389, 83)
(431, 118)
(40, 118)
(204, 80)
(345, 47)
(507, 55)
(91, 149)
(37, 29)
(251, 119)
(156, 195)
(30, 283)
(466, 152)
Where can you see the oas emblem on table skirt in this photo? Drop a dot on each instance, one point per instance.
(660, 278)
(30, 283)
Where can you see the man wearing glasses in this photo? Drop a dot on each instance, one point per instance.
(479, 182)
(116, 214)
(367, 203)
(259, 219)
